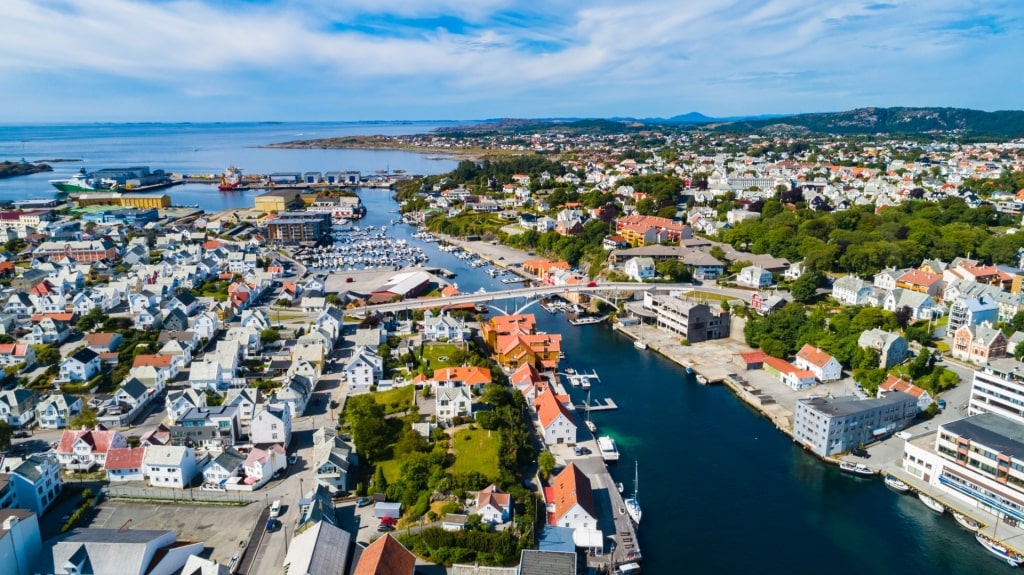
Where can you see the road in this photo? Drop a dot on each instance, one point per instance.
(300, 477)
(603, 289)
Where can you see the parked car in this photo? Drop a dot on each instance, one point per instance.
(293, 458)
(20, 434)
(384, 528)
(942, 404)
(273, 524)
(363, 501)
(275, 508)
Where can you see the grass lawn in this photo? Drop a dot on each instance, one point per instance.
(433, 352)
(391, 469)
(476, 450)
(395, 400)
(708, 296)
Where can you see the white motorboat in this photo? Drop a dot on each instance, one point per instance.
(858, 468)
(640, 344)
(633, 503)
(931, 503)
(998, 550)
(966, 522)
(620, 487)
(608, 450)
(894, 483)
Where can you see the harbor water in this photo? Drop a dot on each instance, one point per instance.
(723, 491)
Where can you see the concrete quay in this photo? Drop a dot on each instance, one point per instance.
(620, 543)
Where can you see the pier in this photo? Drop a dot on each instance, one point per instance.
(625, 545)
(605, 404)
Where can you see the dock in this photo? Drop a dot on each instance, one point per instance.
(605, 404)
(626, 547)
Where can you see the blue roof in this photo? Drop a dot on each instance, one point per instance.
(554, 538)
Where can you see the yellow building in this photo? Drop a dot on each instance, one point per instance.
(277, 201)
(146, 201)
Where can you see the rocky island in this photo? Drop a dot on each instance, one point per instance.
(11, 169)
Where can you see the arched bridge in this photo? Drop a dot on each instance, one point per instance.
(604, 291)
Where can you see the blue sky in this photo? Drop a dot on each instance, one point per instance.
(236, 60)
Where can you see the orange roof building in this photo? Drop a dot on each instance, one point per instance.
(571, 502)
(467, 375)
(385, 556)
(555, 419)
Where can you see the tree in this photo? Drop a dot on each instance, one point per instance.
(283, 302)
(333, 299)
(380, 483)
(270, 335)
(546, 462)
(1018, 352)
(805, 287)
(46, 354)
(88, 418)
(6, 434)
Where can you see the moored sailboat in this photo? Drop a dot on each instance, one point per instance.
(931, 503)
(633, 503)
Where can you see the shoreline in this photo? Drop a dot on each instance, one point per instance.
(391, 145)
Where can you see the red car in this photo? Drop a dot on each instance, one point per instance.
(592, 284)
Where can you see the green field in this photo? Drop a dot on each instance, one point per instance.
(395, 400)
(476, 450)
(434, 351)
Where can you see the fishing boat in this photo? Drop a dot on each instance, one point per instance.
(931, 503)
(998, 550)
(633, 503)
(857, 468)
(894, 482)
(966, 522)
(608, 450)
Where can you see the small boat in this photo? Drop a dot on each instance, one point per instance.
(631, 568)
(894, 482)
(858, 468)
(998, 550)
(591, 426)
(931, 503)
(633, 503)
(608, 450)
(966, 522)
(640, 344)
(701, 379)
(620, 487)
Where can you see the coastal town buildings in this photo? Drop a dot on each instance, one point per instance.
(828, 426)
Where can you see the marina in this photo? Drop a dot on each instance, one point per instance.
(354, 248)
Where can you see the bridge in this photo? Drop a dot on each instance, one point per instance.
(605, 292)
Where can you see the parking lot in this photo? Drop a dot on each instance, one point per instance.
(221, 527)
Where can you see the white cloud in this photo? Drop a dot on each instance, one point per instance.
(748, 55)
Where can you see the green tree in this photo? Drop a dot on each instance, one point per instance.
(6, 434)
(380, 483)
(546, 463)
(46, 354)
(1018, 352)
(88, 418)
(270, 335)
(805, 288)
(333, 299)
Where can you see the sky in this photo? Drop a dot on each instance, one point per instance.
(338, 60)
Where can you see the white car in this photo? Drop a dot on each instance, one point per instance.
(275, 508)
(905, 435)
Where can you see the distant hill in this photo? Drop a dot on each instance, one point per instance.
(1007, 123)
